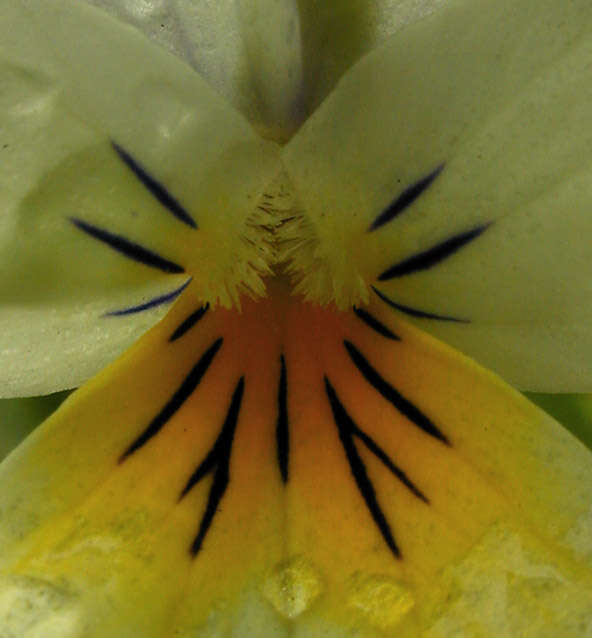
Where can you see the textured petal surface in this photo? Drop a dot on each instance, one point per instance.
(112, 149)
(291, 470)
(451, 170)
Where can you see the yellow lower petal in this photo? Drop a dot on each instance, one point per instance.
(308, 475)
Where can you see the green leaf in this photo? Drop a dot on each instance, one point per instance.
(574, 411)
(19, 417)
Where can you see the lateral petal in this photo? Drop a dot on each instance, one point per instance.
(450, 169)
(123, 176)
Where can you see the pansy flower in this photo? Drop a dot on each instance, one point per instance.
(321, 248)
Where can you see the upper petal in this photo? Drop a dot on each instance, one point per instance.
(234, 50)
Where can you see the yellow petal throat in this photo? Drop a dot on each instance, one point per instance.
(292, 470)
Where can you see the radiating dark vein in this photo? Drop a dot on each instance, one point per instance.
(376, 325)
(403, 405)
(155, 187)
(282, 426)
(346, 428)
(386, 460)
(151, 303)
(432, 256)
(188, 323)
(184, 391)
(405, 199)
(217, 461)
(415, 312)
(128, 248)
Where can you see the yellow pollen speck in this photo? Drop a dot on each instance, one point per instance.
(292, 587)
(383, 601)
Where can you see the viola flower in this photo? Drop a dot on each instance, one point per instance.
(296, 448)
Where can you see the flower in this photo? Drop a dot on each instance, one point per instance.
(291, 449)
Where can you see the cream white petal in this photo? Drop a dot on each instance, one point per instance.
(451, 170)
(273, 48)
(117, 164)
(208, 36)
(216, 39)
(336, 35)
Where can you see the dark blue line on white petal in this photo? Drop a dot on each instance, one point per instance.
(156, 189)
(405, 199)
(432, 256)
(152, 303)
(415, 312)
(128, 248)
